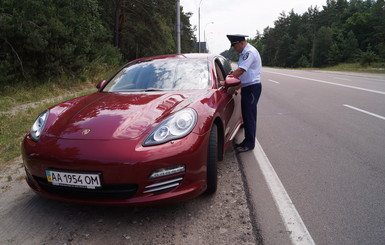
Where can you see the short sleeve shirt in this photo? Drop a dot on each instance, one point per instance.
(250, 61)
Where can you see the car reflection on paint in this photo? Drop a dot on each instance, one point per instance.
(152, 134)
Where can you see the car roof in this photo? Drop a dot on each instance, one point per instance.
(177, 56)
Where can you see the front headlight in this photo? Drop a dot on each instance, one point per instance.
(38, 126)
(177, 126)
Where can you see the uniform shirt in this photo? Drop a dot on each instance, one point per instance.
(250, 61)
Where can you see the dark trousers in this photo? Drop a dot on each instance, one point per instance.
(250, 96)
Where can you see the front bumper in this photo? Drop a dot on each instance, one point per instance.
(125, 167)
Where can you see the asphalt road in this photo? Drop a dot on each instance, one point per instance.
(324, 136)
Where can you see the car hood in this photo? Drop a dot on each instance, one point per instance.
(106, 116)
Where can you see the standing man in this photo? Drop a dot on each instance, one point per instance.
(249, 72)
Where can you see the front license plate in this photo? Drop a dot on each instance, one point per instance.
(72, 179)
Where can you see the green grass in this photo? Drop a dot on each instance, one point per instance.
(12, 95)
(13, 129)
(357, 67)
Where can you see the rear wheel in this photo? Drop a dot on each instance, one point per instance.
(212, 158)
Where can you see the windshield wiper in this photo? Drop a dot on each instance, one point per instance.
(154, 89)
(140, 90)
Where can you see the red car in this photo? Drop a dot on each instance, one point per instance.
(152, 134)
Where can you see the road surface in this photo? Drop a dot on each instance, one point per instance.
(324, 135)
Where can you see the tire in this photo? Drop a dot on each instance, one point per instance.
(212, 158)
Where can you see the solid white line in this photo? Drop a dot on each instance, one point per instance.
(289, 214)
(344, 79)
(363, 111)
(336, 84)
(273, 81)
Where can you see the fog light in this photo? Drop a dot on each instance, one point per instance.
(162, 172)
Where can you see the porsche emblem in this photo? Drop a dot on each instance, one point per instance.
(86, 131)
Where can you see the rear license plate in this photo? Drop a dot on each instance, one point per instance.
(72, 179)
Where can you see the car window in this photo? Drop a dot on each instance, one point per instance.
(162, 74)
(226, 65)
(221, 75)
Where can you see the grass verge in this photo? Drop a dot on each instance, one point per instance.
(357, 67)
(12, 95)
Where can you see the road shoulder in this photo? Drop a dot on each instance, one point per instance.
(264, 213)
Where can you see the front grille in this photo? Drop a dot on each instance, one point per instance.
(163, 186)
(106, 192)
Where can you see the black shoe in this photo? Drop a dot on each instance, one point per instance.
(243, 149)
(238, 145)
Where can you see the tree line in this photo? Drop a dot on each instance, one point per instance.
(41, 39)
(342, 32)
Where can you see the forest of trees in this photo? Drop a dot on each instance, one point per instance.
(342, 32)
(40, 39)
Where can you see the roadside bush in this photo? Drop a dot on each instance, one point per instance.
(368, 57)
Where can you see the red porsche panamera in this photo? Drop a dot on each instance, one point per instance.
(152, 134)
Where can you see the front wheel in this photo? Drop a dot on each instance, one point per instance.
(212, 158)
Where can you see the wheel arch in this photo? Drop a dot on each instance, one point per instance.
(221, 133)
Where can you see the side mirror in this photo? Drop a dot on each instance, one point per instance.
(101, 84)
(232, 81)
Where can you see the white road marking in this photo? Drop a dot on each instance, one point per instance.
(273, 81)
(331, 83)
(344, 79)
(289, 214)
(363, 111)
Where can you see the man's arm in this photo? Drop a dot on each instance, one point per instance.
(238, 72)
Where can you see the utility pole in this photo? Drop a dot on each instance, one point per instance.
(199, 27)
(178, 49)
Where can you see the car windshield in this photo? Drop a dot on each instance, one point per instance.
(162, 74)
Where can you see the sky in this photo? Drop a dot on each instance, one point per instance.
(221, 17)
